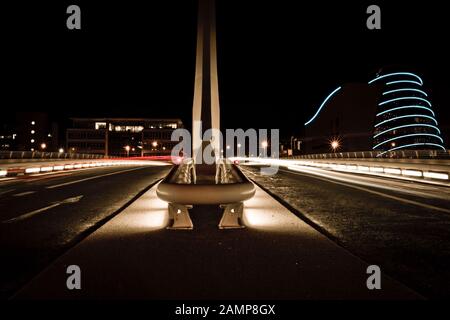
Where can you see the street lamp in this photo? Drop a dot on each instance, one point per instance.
(264, 144)
(43, 146)
(335, 145)
(61, 150)
(127, 149)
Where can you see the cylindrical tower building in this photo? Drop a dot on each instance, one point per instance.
(405, 118)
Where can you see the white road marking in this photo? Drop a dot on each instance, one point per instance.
(33, 213)
(6, 191)
(23, 193)
(90, 178)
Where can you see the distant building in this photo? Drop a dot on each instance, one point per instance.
(405, 118)
(35, 132)
(346, 116)
(391, 112)
(122, 136)
(8, 137)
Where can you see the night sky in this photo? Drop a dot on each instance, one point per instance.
(277, 59)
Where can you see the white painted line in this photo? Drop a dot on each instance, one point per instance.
(32, 170)
(23, 193)
(436, 175)
(90, 178)
(6, 191)
(33, 213)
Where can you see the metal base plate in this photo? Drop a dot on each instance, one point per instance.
(179, 216)
(232, 216)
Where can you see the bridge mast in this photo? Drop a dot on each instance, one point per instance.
(206, 89)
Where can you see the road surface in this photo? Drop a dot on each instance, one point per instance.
(402, 226)
(42, 216)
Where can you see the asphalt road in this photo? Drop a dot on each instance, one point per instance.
(42, 216)
(402, 226)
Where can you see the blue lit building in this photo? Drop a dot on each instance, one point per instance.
(405, 118)
(391, 112)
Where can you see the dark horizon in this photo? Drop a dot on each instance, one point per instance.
(136, 60)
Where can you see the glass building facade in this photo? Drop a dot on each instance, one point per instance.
(405, 118)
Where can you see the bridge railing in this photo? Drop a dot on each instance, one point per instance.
(48, 155)
(398, 154)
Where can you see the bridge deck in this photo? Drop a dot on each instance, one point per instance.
(277, 256)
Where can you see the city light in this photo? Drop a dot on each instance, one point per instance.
(264, 144)
(33, 123)
(32, 131)
(334, 145)
(61, 150)
(397, 74)
(154, 144)
(323, 104)
(43, 146)
(404, 81)
(409, 135)
(395, 113)
(405, 89)
(408, 125)
(405, 107)
(407, 116)
(405, 98)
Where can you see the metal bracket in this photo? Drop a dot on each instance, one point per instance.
(232, 216)
(179, 216)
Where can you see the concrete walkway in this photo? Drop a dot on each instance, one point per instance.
(277, 256)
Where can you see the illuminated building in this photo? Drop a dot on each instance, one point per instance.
(345, 114)
(391, 112)
(405, 118)
(33, 129)
(111, 136)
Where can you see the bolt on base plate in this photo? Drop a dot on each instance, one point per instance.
(232, 216)
(179, 215)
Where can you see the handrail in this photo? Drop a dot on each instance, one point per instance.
(49, 155)
(398, 154)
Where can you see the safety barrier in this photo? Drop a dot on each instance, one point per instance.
(34, 168)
